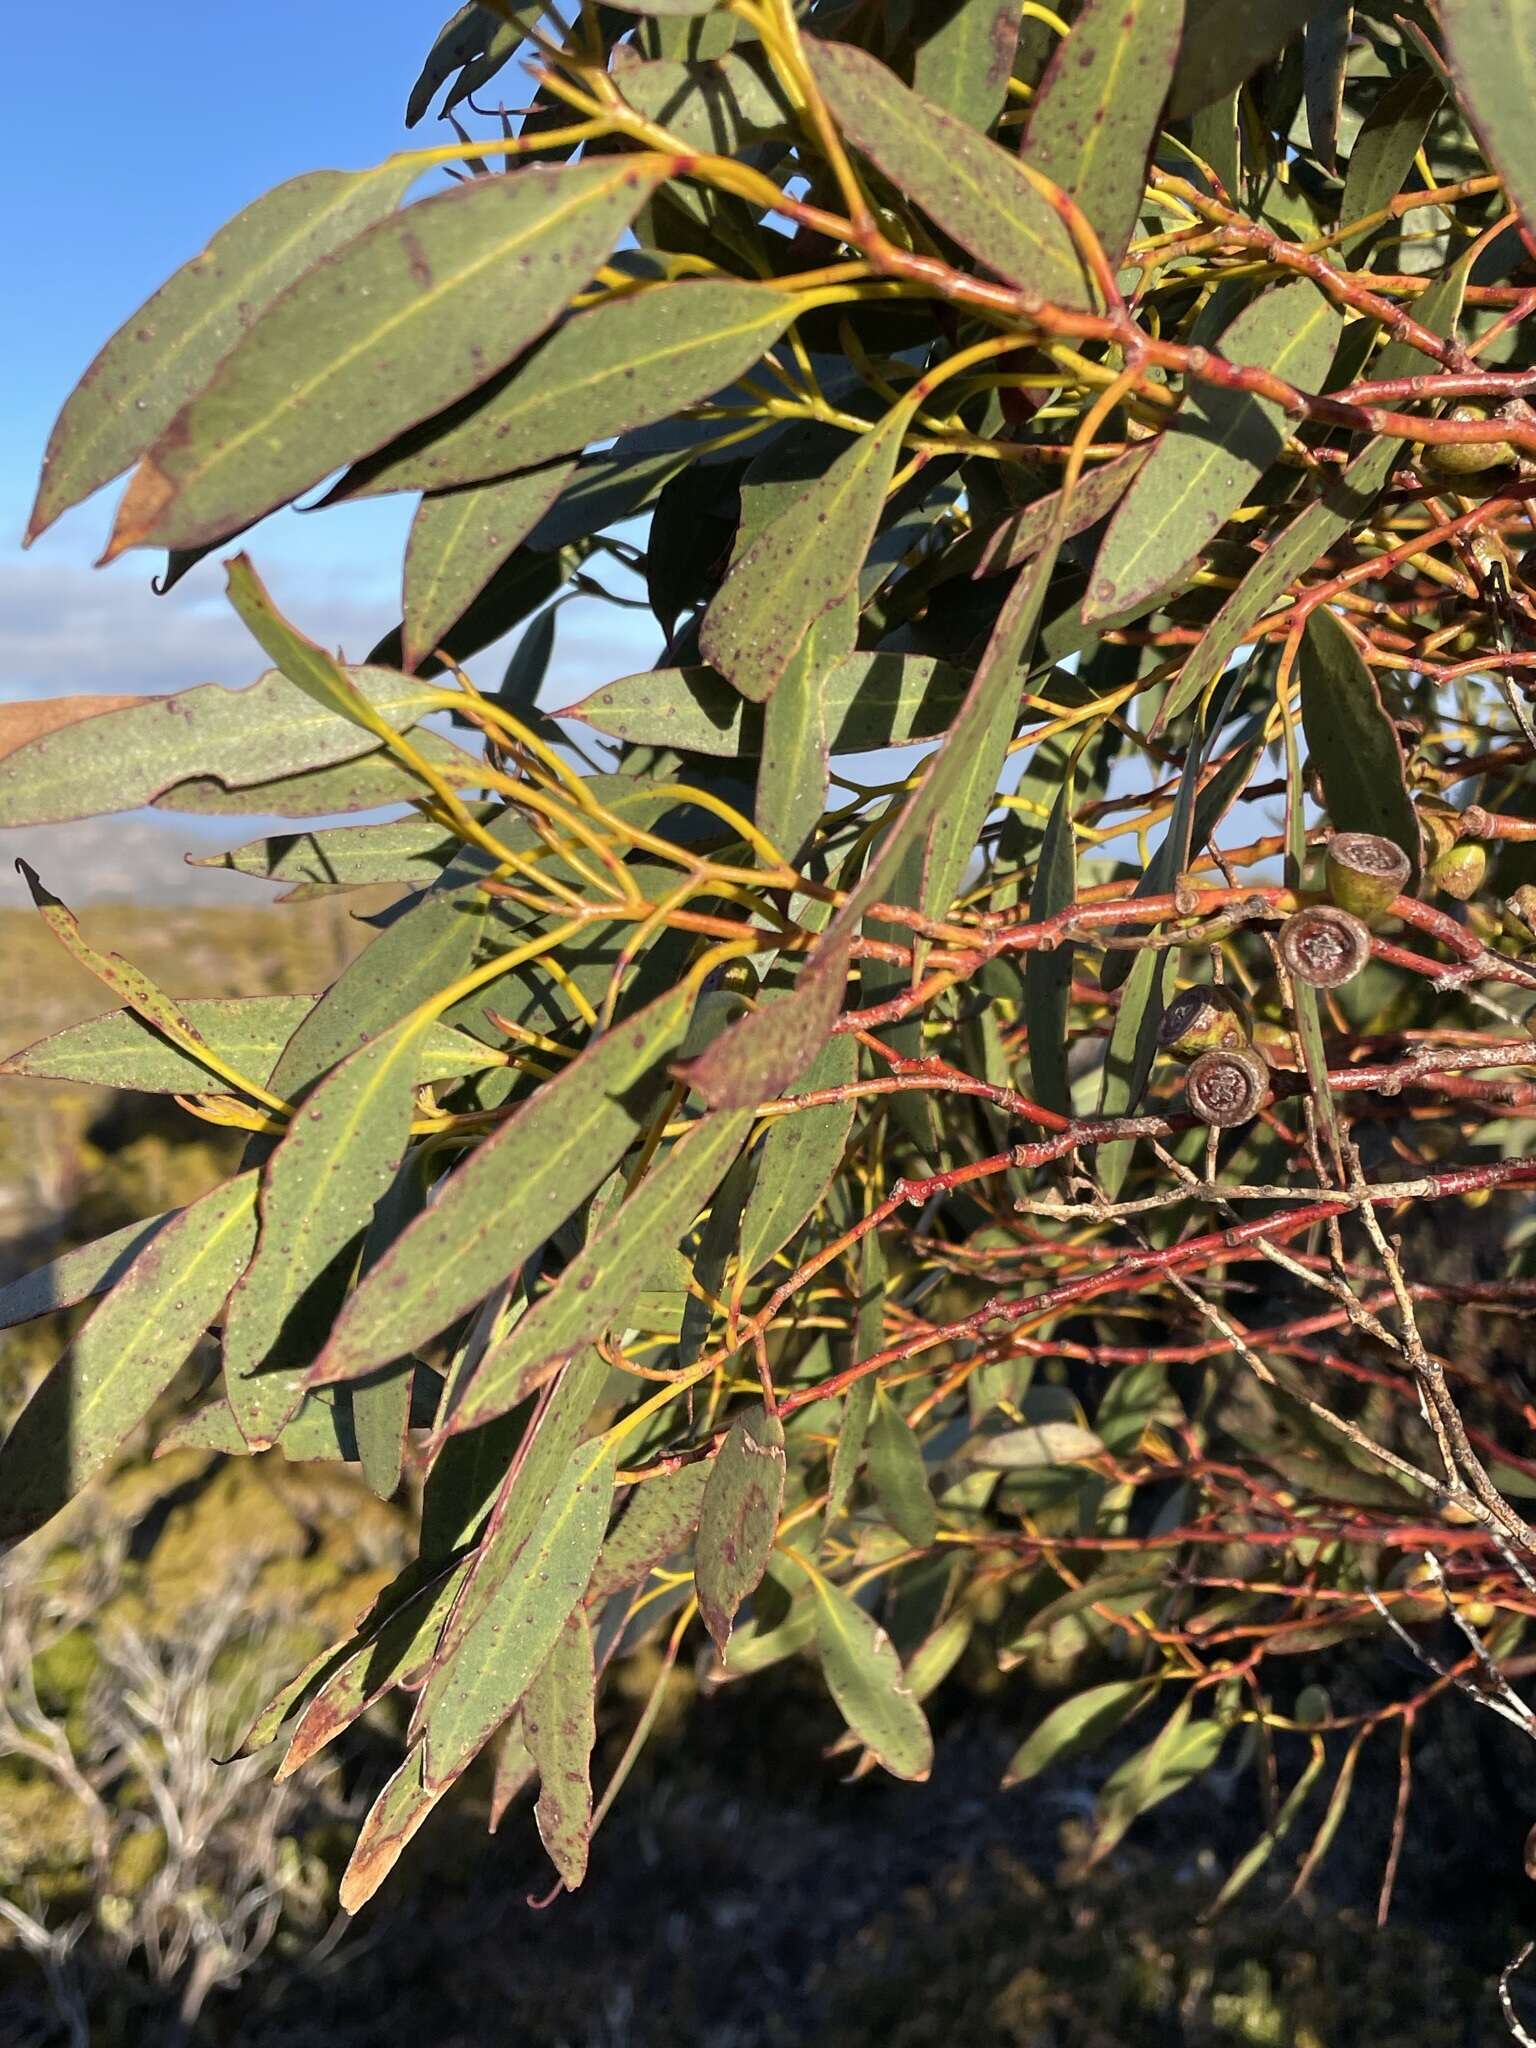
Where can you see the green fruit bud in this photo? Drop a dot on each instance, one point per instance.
(1226, 1088)
(1204, 1019)
(1465, 458)
(1324, 946)
(1461, 870)
(1365, 873)
(1441, 824)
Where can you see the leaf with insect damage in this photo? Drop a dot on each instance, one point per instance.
(739, 1519)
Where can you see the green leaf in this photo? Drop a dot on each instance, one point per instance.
(465, 39)
(803, 563)
(1048, 975)
(413, 849)
(858, 1405)
(975, 191)
(1037, 1447)
(738, 1519)
(171, 346)
(963, 65)
(1132, 1048)
(335, 1161)
(122, 759)
(722, 104)
(408, 317)
(1390, 137)
(381, 1402)
(1205, 463)
(899, 1475)
(798, 1158)
(1249, 1867)
(320, 1431)
(366, 784)
(1024, 533)
(392, 1820)
(1491, 45)
(126, 1355)
(1226, 41)
(1095, 114)
(76, 1275)
(507, 1196)
(621, 364)
(560, 1730)
(1352, 741)
(1082, 1723)
(661, 1517)
(864, 1676)
(763, 1054)
(792, 770)
(1176, 1756)
(606, 1276)
(1326, 59)
(868, 701)
(491, 1656)
(396, 1648)
(303, 661)
(458, 541)
(1344, 502)
(119, 1050)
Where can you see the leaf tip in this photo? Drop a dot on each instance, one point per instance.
(148, 494)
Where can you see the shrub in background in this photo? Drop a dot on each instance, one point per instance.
(882, 1136)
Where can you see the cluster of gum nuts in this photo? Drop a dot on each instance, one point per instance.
(1324, 945)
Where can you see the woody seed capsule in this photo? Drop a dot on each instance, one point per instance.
(1204, 1019)
(1365, 873)
(1324, 946)
(1226, 1088)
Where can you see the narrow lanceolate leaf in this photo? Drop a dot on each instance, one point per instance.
(1226, 41)
(487, 1667)
(367, 784)
(1095, 114)
(126, 1356)
(1048, 974)
(719, 104)
(392, 1650)
(1491, 45)
(400, 323)
(899, 1474)
(1326, 59)
(868, 701)
(769, 1049)
(964, 65)
(393, 1818)
(560, 1729)
(603, 1280)
(75, 1276)
(739, 1519)
(1173, 1759)
(619, 365)
(1025, 532)
(868, 1336)
(507, 1197)
(661, 1517)
(320, 675)
(1219, 444)
(412, 849)
(1037, 1447)
(974, 190)
(340, 1153)
(792, 770)
(1077, 1725)
(798, 1158)
(122, 759)
(1353, 743)
(801, 564)
(171, 346)
(459, 539)
(864, 1676)
(119, 1050)
(1132, 1048)
(1390, 138)
(1344, 501)
(120, 975)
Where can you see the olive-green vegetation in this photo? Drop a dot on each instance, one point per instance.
(966, 1126)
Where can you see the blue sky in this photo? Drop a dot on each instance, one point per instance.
(143, 129)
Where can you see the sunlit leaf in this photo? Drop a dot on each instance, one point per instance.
(1491, 45)
(1081, 1723)
(899, 1475)
(560, 1728)
(738, 1519)
(1352, 741)
(864, 1676)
